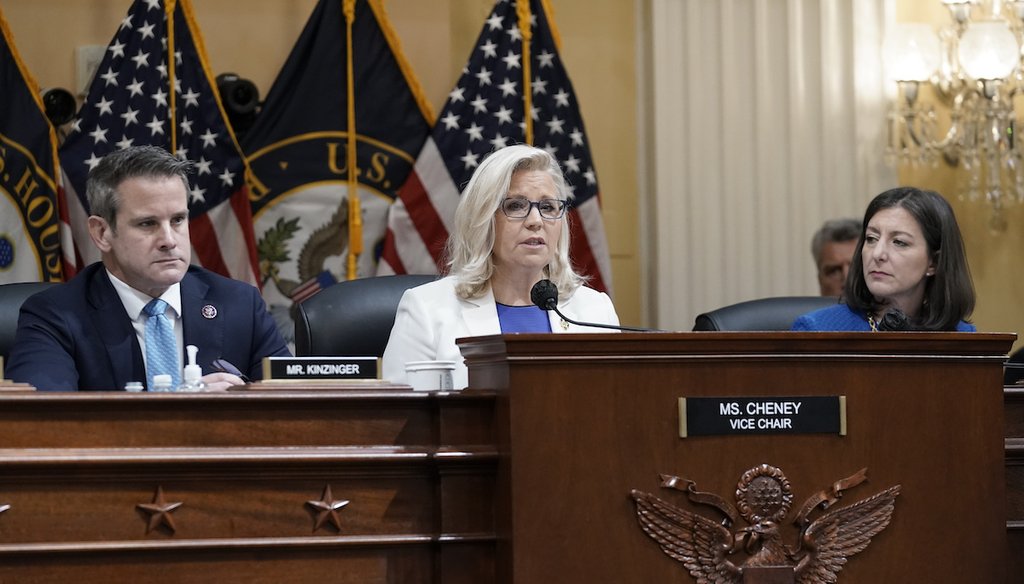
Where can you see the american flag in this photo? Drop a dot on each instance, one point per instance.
(139, 97)
(483, 113)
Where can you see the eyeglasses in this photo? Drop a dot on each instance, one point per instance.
(520, 208)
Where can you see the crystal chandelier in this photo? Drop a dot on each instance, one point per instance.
(973, 65)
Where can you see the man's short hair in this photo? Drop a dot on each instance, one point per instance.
(121, 165)
(834, 231)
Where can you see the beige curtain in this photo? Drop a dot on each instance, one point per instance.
(762, 118)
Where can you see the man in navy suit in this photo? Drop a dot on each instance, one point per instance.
(89, 334)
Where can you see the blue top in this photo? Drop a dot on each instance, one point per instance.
(523, 319)
(842, 318)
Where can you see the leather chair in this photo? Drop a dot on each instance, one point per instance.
(352, 318)
(764, 314)
(12, 296)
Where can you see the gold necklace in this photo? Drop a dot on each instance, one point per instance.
(872, 324)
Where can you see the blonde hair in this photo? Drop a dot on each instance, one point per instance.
(470, 246)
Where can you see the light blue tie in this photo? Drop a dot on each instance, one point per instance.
(161, 346)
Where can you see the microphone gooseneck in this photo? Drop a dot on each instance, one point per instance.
(545, 295)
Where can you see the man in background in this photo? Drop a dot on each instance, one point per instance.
(832, 248)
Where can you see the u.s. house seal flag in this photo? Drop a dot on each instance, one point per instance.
(30, 248)
(345, 98)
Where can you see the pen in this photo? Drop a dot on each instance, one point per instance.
(224, 366)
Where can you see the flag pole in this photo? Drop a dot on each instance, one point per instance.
(523, 11)
(355, 218)
(169, 6)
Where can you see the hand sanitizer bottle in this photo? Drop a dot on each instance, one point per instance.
(191, 378)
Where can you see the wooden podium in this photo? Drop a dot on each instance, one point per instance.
(585, 419)
(524, 479)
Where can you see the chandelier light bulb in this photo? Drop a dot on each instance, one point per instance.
(911, 52)
(988, 50)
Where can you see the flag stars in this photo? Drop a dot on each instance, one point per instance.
(475, 132)
(141, 59)
(572, 164)
(458, 94)
(504, 115)
(155, 127)
(555, 125)
(489, 49)
(209, 139)
(494, 22)
(470, 159)
(450, 121)
(160, 97)
(191, 98)
(92, 161)
(540, 86)
(135, 88)
(197, 195)
(227, 177)
(127, 22)
(98, 135)
(203, 166)
(104, 106)
(181, 153)
(162, 68)
(116, 49)
(562, 98)
(177, 56)
(479, 105)
(546, 59)
(484, 76)
(186, 126)
(511, 60)
(590, 176)
(514, 34)
(124, 142)
(146, 31)
(499, 141)
(507, 88)
(153, 4)
(110, 77)
(130, 117)
(551, 149)
(576, 136)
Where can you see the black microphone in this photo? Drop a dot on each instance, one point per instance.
(545, 295)
(894, 319)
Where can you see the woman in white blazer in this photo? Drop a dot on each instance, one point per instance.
(510, 232)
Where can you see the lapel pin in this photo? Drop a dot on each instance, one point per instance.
(209, 311)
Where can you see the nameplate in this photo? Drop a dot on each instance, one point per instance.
(321, 368)
(717, 416)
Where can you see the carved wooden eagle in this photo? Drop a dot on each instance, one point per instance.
(703, 546)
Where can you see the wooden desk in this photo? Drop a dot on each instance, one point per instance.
(524, 480)
(584, 419)
(417, 469)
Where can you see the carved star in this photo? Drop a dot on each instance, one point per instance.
(159, 511)
(326, 510)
